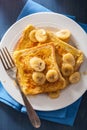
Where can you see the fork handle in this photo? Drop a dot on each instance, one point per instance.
(32, 115)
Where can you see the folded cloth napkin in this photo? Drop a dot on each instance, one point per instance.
(64, 116)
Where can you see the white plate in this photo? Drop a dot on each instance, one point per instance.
(71, 93)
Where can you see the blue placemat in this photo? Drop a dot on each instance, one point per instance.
(64, 116)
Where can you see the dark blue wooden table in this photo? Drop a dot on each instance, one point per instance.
(11, 119)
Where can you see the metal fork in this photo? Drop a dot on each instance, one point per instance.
(11, 70)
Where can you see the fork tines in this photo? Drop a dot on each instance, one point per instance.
(6, 58)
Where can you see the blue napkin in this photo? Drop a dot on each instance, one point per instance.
(64, 116)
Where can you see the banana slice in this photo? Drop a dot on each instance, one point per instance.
(37, 64)
(28, 29)
(63, 34)
(41, 35)
(32, 35)
(69, 58)
(54, 94)
(67, 69)
(52, 75)
(75, 77)
(39, 78)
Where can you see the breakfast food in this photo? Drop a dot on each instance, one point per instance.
(32, 36)
(75, 77)
(67, 69)
(69, 58)
(41, 35)
(37, 64)
(52, 75)
(64, 51)
(63, 34)
(38, 78)
(54, 94)
(38, 71)
(46, 62)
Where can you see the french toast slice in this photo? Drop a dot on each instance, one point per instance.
(22, 59)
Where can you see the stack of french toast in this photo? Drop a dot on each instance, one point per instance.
(46, 62)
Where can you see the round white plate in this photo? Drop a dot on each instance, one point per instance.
(71, 93)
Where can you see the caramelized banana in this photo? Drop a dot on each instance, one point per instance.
(32, 35)
(75, 77)
(54, 94)
(67, 69)
(37, 64)
(63, 34)
(69, 58)
(52, 75)
(41, 35)
(39, 78)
